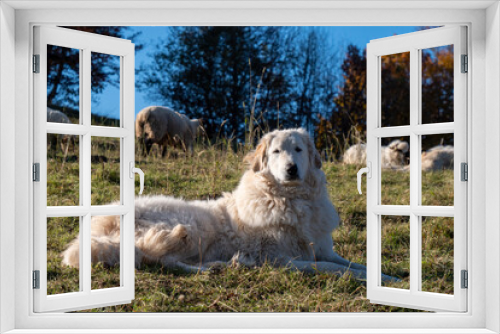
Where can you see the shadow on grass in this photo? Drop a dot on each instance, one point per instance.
(159, 269)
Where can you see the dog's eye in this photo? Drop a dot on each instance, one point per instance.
(276, 151)
(298, 149)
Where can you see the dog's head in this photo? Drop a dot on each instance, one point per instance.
(288, 155)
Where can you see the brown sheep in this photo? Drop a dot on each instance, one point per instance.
(164, 126)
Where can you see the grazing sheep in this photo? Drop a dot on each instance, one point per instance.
(355, 155)
(438, 158)
(393, 156)
(163, 126)
(56, 116)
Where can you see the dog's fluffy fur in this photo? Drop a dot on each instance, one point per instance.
(277, 214)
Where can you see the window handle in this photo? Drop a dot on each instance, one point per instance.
(134, 171)
(368, 171)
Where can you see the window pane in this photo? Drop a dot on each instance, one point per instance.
(105, 89)
(105, 252)
(105, 161)
(395, 172)
(437, 254)
(62, 276)
(437, 84)
(63, 170)
(395, 106)
(63, 85)
(437, 170)
(395, 246)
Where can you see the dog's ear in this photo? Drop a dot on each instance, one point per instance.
(258, 159)
(314, 157)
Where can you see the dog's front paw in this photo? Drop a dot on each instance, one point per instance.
(216, 268)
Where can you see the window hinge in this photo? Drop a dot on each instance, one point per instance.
(36, 279)
(464, 168)
(36, 172)
(465, 279)
(36, 63)
(465, 64)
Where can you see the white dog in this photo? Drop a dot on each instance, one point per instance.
(280, 213)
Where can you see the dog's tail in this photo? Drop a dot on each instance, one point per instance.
(104, 243)
(103, 249)
(180, 242)
(159, 241)
(71, 256)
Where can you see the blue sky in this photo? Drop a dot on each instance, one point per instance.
(106, 103)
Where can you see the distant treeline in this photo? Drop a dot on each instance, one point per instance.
(245, 77)
(288, 77)
(239, 79)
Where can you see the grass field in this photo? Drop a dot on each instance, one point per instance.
(209, 173)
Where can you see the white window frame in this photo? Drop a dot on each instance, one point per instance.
(414, 43)
(483, 21)
(124, 50)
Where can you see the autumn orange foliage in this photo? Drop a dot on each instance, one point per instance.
(350, 103)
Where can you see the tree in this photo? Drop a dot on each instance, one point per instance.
(314, 76)
(437, 84)
(244, 77)
(63, 69)
(277, 54)
(395, 90)
(212, 73)
(350, 103)
(308, 71)
(437, 92)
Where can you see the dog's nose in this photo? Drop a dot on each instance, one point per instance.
(292, 169)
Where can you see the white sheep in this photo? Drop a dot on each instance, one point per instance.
(393, 156)
(355, 155)
(56, 116)
(164, 126)
(438, 158)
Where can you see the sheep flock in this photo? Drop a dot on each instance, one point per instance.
(164, 126)
(394, 156)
